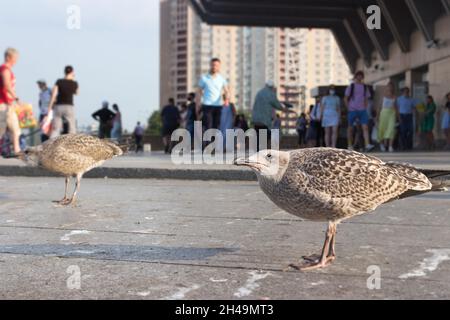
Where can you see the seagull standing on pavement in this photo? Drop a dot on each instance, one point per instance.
(71, 155)
(326, 184)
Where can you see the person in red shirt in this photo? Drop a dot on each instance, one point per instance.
(8, 98)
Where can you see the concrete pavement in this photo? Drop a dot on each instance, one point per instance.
(168, 239)
(160, 166)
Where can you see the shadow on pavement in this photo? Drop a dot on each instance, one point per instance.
(116, 252)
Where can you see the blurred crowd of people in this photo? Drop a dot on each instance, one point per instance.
(397, 121)
(56, 109)
(211, 105)
(110, 121)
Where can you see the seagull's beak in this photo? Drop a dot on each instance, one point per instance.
(20, 155)
(247, 162)
(241, 161)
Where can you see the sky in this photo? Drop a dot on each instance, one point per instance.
(115, 52)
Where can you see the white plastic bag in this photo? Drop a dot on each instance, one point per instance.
(46, 124)
(374, 136)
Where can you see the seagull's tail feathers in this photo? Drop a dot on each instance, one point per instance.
(124, 147)
(117, 149)
(440, 179)
(416, 180)
(433, 173)
(440, 185)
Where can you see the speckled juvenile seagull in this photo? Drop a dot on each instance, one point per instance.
(71, 155)
(325, 184)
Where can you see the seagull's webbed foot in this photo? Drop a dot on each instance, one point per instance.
(63, 202)
(313, 264)
(323, 260)
(316, 257)
(72, 202)
(312, 258)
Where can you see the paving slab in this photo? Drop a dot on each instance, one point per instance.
(174, 239)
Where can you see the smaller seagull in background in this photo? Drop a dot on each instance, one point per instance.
(326, 184)
(71, 155)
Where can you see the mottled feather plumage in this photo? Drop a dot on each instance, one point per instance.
(325, 184)
(333, 184)
(76, 153)
(71, 155)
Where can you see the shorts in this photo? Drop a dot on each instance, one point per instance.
(361, 115)
(8, 120)
(60, 112)
(168, 130)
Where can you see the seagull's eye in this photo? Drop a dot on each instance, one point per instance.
(269, 156)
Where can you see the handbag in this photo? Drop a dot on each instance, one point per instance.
(25, 115)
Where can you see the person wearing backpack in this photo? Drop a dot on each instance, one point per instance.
(357, 100)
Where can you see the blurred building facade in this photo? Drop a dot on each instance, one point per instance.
(409, 45)
(186, 48)
(297, 60)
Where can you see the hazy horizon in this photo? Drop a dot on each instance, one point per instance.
(115, 53)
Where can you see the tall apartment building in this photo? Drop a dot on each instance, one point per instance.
(321, 60)
(186, 48)
(297, 60)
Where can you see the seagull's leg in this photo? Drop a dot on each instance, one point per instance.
(315, 258)
(328, 247)
(65, 199)
(77, 188)
(332, 252)
(325, 259)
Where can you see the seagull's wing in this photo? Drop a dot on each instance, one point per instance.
(76, 153)
(88, 146)
(357, 182)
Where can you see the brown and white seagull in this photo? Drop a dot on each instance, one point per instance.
(326, 184)
(71, 155)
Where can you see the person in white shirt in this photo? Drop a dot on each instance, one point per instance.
(330, 110)
(44, 100)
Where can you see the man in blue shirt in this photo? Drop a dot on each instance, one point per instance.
(406, 106)
(211, 87)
